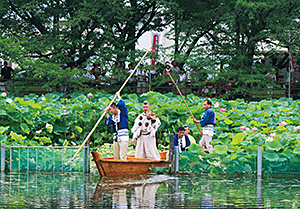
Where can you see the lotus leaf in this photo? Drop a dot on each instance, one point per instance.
(238, 138)
(49, 127)
(195, 148)
(214, 171)
(252, 148)
(3, 138)
(226, 160)
(3, 129)
(3, 112)
(227, 121)
(44, 139)
(271, 156)
(274, 145)
(25, 128)
(291, 136)
(184, 157)
(79, 129)
(297, 150)
(17, 137)
(230, 169)
(247, 168)
(221, 149)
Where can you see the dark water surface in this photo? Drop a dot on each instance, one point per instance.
(77, 190)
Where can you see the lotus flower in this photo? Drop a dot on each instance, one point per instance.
(283, 123)
(43, 98)
(9, 100)
(269, 139)
(217, 105)
(3, 94)
(65, 111)
(264, 135)
(243, 127)
(247, 129)
(38, 132)
(254, 129)
(90, 95)
(222, 109)
(272, 134)
(296, 128)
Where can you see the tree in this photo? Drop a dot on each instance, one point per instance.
(62, 30)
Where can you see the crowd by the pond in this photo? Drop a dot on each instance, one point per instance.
(145, 127)
(201, 79)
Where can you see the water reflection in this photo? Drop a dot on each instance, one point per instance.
(133, 191)
(76, 190)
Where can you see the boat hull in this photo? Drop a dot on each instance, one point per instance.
(111, 167)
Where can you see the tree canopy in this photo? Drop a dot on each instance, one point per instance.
(65, 31)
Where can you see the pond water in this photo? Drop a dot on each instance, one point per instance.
(77, 190)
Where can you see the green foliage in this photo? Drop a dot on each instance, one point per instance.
(52, 119)
(273, 124)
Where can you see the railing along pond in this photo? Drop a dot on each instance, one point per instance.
(47, 159)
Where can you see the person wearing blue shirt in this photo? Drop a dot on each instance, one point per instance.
(181, 140)
(208, 122)
(119, 122)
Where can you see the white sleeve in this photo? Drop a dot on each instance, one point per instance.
(136, 124)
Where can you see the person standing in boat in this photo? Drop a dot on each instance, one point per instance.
(144, 130)
(119, 121)
(208, 122)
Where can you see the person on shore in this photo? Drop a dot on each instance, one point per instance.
(6, 75)
(181, 139)
(187, 132)
(208, 122)
(144, 130)
(119, 121)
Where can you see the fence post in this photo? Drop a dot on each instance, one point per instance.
(171, 152)
(2, 157)
(259, 161)
(176, 159)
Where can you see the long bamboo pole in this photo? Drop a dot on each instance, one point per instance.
(95, 126)
(168, 73)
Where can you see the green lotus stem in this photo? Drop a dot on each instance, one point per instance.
(95, 126)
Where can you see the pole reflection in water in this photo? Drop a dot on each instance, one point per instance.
(258, 192)
(2, 184)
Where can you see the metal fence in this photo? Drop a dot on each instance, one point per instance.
(48, 159)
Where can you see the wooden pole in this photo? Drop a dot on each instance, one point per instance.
(95, 126)
(168, 73)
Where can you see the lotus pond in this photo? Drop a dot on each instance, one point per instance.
(57, 119)
(75, 190)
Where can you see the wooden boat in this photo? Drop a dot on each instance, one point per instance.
(108, 166)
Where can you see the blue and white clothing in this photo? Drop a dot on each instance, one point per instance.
(119, 123)
(182, 143)
(208, 122)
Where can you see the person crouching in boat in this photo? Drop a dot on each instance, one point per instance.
(181, 140)
(144, 130)
(119, 121)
